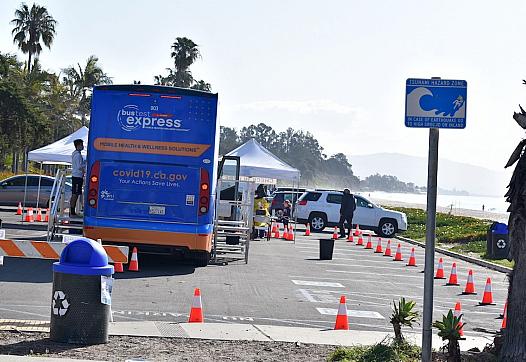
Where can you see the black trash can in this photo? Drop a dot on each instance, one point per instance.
(497, 243)
(326, 249)
(81, 297)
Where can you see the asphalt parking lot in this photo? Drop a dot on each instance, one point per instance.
(284, 283)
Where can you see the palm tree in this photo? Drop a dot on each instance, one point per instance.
(79, 83)
(403, 315)
(185, 53)
(202, 86)
(514, 346)
(31, 27)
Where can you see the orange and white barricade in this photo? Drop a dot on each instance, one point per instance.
(52, 250)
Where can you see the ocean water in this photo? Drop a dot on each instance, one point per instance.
(491, 203)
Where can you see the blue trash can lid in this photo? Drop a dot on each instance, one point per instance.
(83, 257)
(500, 228)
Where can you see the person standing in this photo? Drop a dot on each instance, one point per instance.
(261, 207)
(77, 175)
(346, 212)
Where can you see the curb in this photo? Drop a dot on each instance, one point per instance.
(483, 263)
(254, 332)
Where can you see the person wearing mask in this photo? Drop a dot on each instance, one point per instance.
(78, 165)
(346, 212)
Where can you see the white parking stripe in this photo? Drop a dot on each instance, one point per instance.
(308, 296)
(400, 267)
(352, 313)
(317, 284)
(354, 280)
(369, 273)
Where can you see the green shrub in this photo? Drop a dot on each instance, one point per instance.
(380, 352)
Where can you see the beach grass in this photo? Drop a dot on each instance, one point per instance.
(460, 234)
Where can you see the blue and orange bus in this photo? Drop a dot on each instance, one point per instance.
(151, 166)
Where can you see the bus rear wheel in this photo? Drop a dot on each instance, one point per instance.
(201, 258)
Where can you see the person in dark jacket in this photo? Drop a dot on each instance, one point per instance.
(346, 212)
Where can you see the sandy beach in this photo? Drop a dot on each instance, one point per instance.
(479, 214)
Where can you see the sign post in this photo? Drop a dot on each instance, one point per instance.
(433, 103)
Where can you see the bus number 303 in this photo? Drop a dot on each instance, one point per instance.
(157, 210)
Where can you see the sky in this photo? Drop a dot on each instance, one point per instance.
(334, 68)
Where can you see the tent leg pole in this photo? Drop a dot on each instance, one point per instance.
(39, 183)
(25, 192)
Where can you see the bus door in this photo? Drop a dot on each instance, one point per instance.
(228, 188)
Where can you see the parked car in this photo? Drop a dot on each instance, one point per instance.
(321, 208)
(12, 190)
(279, 197)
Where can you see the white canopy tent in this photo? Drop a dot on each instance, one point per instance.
(257, 161)
(56, 153)
(260, 166)
(59, 152)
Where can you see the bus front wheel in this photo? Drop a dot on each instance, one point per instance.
(201, 258)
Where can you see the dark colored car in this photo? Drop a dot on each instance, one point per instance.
(12, 190)
(279, 198)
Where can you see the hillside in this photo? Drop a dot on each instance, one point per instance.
(451, 175)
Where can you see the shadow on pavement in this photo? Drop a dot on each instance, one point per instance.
(152, 265)
(38, 346)
(26, 270)
(41, 270)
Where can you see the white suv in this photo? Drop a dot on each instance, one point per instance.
(321, 208)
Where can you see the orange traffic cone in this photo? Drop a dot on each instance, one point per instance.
(118, 268)
(357, 231)
(19, 210)
(39, 214)
(350, 238)
(440, 271)
(273, 230)
(307, 230)
(505, 316)
(412, 258)
(458, 313)
(487, 299)
(369, 244)
(470, 285)
(379, 246)
(29, 215)
(291, 233)
(196, 312)
(47, 216)
(278, 231)
(286, 232)
(342, 321)
(360, 241)
(453, 280)
(335, 233)
(134, 261)
(388, 248)
(398, 255)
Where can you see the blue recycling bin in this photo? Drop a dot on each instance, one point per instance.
(80, 310)
(498, 244)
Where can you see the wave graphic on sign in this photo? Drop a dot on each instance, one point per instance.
(420, 102)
